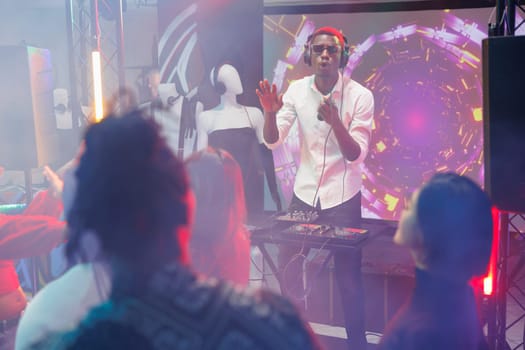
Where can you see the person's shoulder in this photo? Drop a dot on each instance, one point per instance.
(205, 118)
(266, 312)
(61, 299)
(301, 82)
(251, 109)
(357, 86)
(103, 334)
(78, 278)
(58, 291)
(256, 113)
(52, 341)
(57, 307)
(94, 327)
(298, 90)
(358, 93)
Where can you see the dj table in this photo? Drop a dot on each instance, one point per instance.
(288, 230)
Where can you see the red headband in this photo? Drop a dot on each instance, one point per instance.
(331, 31)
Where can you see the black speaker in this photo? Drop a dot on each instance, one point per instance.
(28, 133)
(504, 121)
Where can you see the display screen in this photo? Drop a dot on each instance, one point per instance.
(424, 69)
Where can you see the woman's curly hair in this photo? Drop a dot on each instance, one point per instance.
(131, 192)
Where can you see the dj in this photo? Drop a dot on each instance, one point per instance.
(334, 116)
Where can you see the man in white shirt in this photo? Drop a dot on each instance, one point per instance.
(334, 116)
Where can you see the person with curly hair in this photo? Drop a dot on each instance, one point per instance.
(133, 200)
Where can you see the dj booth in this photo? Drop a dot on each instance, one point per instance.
(387, 268)
(297, 229)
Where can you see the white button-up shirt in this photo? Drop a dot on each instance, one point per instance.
(323, 173)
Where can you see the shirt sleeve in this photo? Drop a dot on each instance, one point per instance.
(23, 236)
(360, 127)
(46, 204)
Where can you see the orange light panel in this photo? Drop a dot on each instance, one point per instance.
(97, 85)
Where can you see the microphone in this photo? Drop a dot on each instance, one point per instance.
(326, 99)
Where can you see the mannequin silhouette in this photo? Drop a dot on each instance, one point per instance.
(228, 114)
(238, 129)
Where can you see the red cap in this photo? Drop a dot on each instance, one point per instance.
(330, 31)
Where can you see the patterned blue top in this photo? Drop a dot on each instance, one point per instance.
(178, 310)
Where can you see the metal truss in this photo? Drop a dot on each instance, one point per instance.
(515, 281)
(85, 33)
(146, 3)
(505, 22)
(94, 25)
(508, 308)
(507, 311)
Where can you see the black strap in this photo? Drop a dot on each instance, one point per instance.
(269, 168)
(188, 124)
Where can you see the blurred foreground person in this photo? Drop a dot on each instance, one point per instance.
(448, 228)
(123, 101)
(65, 301)
(220, 244)
(133, 200)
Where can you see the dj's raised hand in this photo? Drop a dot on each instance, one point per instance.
(270, 101)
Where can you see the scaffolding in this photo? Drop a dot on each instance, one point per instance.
(86, 33)
(510, 279)
(93, 25)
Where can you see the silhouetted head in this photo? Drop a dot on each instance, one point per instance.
(132, 194)
(153, 81)
(122, 102)
(216, 180)
(448, 226)
(220, 245)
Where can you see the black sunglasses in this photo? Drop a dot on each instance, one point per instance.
(318, 49)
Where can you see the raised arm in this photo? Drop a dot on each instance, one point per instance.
(270, 102)
(353, 139)
(22, 236)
